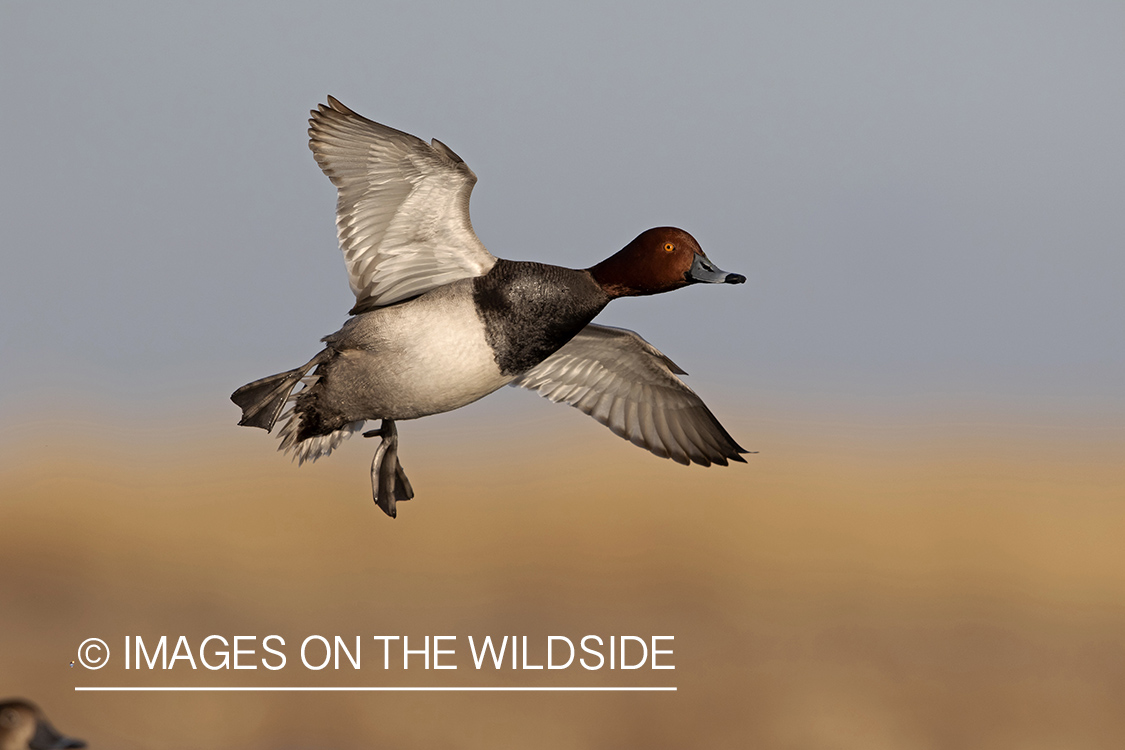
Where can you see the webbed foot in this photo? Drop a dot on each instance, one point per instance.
(389, 484)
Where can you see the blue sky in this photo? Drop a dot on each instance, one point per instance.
(927, 198)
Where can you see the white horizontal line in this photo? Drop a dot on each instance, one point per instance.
(381, 689)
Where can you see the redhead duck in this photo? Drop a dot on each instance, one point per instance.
(24, 727)
(440, 322)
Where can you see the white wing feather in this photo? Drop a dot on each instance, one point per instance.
(402, 215)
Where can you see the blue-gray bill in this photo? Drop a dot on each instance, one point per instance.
(703, 271)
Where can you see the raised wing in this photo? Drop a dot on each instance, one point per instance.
(402, 214)
(625, 383)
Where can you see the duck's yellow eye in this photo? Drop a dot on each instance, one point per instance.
(669, 247)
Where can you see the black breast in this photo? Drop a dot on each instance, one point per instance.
(531, 309)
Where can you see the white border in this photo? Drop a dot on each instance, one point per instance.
(434, 689)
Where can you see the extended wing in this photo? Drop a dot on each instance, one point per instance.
(625, 383)
(402, 214)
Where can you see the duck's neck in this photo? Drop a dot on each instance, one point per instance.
(617, 276)
(627, 273)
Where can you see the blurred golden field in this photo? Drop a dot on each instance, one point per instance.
(862, 586)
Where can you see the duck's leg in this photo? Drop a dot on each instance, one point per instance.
(389, 484)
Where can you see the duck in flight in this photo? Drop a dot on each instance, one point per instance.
(440, 322)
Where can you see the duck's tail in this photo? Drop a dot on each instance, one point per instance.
(312, 430)
(263, 400)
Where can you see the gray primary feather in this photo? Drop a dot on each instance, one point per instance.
(628, 385)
